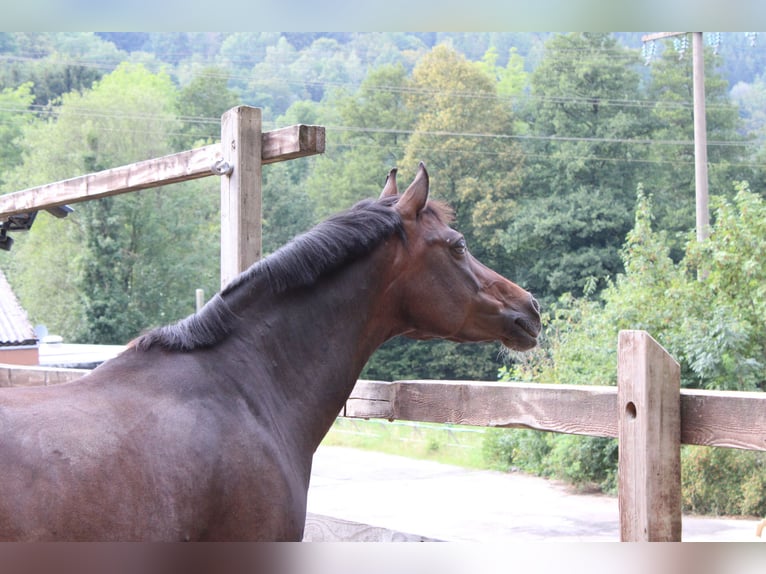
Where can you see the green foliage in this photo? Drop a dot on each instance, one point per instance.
(712, 327)
(462, 134)
(578, 185)
(113, 267)
(201, 103)
(14, 107)
(671, 120)
(359, 160)
(723, 481)
(585, 462)
(402, 358)
(56, 63)
(508, 449)
(538, 147)
(707, 310)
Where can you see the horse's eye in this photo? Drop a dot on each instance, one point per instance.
(459, 246)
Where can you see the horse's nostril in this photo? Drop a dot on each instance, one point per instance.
(535, 304)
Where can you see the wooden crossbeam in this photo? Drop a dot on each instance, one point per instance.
(278, 145)
(732, 419)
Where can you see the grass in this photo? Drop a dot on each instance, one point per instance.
(448, 444)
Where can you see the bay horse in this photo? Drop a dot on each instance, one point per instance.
(206, 429)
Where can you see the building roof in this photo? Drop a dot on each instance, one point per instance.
(15, 328)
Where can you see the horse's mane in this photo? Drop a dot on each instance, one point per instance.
(330, 245)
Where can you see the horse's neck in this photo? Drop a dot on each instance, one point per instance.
(308, 346)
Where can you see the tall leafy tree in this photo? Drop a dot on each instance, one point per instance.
(15, 113)
(371, 128)
(273, 85)
(582, 165)
(201, 104)
(56, 62)
(123, 263)
(671, 174)
(464, 134)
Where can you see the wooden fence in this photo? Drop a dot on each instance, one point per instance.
(238, 160)
(647, 412)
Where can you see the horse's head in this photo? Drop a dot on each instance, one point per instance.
(443, 290)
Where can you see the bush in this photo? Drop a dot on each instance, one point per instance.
(508, 449)
(723, 481)
(583, 461)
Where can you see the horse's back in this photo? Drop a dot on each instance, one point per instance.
(134, 459)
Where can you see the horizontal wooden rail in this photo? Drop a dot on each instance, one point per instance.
(559, 408)
(733, 419)
(709, 418)
(278, 145)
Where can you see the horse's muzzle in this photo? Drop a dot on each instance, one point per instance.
(525, 326)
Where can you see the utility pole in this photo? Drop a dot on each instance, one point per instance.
(700, 128)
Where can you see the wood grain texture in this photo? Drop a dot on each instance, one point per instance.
(241, 197)
(147, 174)
(558, 408)
(724, 418)
(292, 142)
(649, 490)
(370, 400)
(277, 145)
(709, 418)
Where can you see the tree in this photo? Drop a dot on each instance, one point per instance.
(15, 113)
(288, 208)
(202, 103)
(374, 126)
(62, 62)
(671, 177)
(582, 166)
(120, 264)
(464, 134)
(273, 85)
(713, 327)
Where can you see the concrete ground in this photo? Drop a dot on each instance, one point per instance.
(451, 503)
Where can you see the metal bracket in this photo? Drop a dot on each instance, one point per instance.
(222, 167)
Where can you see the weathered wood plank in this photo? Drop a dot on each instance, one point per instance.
(277, 145)
(241, 199)
(292, 142)
(709, 418)
(649, 491)
(558, 408)
(168, 169)
(370, 400)
(570, 409)
(724, 418)
(329, 529)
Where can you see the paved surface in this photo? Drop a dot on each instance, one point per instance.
(451, 503)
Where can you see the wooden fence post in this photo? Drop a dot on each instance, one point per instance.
(649, 434)
(241, 201)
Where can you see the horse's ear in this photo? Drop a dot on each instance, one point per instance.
(414, 199)
(390, 188)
